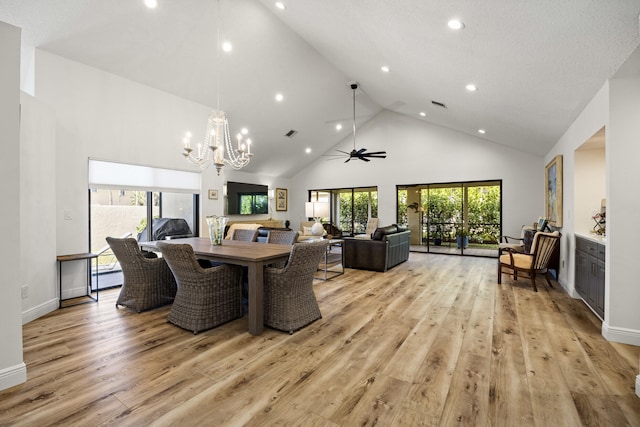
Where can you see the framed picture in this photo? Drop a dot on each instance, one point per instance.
(553, 191)
(281, 199)
(213, 194)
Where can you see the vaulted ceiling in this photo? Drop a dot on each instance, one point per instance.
(536, 64)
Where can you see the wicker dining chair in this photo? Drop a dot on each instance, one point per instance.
(289, 300)
(148, 282)
(245, 235)
(282, 237)
(207, 297)
(532, 263)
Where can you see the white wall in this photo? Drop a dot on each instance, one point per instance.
(593, 117)
(622, 296)
(12, 368)
(590, 187)
(419, 152)
(38, 208)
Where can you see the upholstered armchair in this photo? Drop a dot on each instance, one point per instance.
(532, 263)
(372, 224)
(513, 243)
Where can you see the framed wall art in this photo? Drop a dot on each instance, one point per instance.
(213, 194)
(281, 199)
(553, 191)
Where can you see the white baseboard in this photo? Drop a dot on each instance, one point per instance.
(621, 335)
(40, 310)
(74, 293)
(13, 376)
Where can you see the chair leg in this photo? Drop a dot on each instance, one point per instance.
(533, 282)
(548, 277)
(499, 273)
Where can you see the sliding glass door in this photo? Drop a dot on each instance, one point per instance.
(128, 213)
(452, 218)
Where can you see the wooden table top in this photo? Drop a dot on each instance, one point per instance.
(74, 257)
(230, 249)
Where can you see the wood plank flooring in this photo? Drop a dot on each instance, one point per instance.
(434, 341)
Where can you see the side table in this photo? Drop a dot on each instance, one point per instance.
(333, 264)
(79, 257)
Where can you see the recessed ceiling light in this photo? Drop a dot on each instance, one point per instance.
(338, 126)
(151, 4)
(308, 150)
(279, 97)
(244, 131)
(227, 47)
(482, 131)
(423, 114)
(455, 24)
(471, 87)
(385, 69)
(280, 5)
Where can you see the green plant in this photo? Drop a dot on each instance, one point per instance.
(461, 231)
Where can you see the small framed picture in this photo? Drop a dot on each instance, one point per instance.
(281, 199)
(213, 194)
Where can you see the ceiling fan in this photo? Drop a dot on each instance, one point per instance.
(360, 154)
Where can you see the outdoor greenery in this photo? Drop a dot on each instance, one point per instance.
(356, 208)
(253, 204)
(443, 213)
(352, 207)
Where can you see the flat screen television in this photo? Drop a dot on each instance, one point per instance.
(247, 199)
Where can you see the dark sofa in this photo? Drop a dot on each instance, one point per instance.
(388, 247)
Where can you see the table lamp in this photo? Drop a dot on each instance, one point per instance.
(317, 211)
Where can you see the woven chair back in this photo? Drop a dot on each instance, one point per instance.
(126, 251)
(181, 260)
(282, 237)
(245, 235)
(304, 259)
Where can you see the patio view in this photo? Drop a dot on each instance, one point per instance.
(126, 213)
(454, 218)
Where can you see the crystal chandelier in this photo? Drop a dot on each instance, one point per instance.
(217, 140)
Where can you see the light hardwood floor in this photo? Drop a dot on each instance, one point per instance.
(434, 341)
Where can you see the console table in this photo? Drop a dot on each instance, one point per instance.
(88, 256)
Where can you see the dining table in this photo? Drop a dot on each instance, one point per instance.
(254, 255)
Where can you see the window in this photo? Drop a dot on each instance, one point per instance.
(140, 202)
(350, 208)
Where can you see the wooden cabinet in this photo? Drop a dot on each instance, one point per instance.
(589, 277)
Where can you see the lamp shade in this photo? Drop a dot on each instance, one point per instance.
(308, 210)
(316, 209)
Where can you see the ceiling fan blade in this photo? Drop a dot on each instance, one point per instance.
(347, 161)
(375, 153)
(345, 152)
(360, 151)
(364, 158)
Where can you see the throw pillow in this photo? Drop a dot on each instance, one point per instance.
(307, 231)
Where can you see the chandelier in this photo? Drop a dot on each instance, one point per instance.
(217, 140)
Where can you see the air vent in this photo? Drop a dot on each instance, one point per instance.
(438, 104)
(291, 133)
